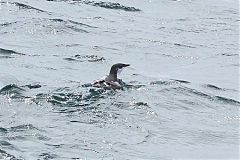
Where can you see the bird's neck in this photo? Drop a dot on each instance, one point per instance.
(113, 74)
(111, 77)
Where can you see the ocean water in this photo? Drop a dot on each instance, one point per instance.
(180, 101)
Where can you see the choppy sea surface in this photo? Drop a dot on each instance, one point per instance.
(181, 100)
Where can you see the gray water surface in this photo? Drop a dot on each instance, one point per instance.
(181, 99)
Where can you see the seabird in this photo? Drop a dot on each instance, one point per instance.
(111, 81)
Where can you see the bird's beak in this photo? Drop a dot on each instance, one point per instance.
(123, 65)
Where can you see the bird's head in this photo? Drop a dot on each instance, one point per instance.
(115, 70)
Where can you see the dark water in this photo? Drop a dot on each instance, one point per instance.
(181, 100)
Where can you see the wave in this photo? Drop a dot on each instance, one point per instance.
(46, 25)
(87, 95)
(70, 24)
(33, 86)
(8, 24)
(12, 90)
(169, 82)
(24, 6)
(71, 21)
(227, 100)
(6, 144)
(183, 45)
(107, 5)
(193, 92)
(65, 98)
(3, 130)
(210, 86)
(22, 128)
(5, 155)
(7, 53)
(84, 58)
(230, 54)
(48, 156)
(110, 5)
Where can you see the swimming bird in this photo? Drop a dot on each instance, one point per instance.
(111, 81)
